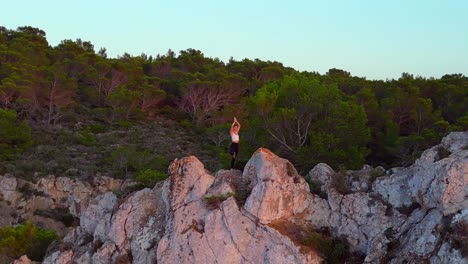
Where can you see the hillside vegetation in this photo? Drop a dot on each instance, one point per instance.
(71, 110)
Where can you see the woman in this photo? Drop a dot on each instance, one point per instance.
(234, 150)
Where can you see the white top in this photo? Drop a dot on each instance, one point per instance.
(235, 138)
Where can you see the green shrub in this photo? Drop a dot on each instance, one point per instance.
(339, 182)
(125, 123)
(458, 236)
(149, 177)
(443, 153)
(87, 138)
(25, 239)
(375, 173)
(333, 250)
(186, 123)
(102, 114)
(213, 201)
(161, 162)
(218, 134)
(27, 168)
(146, 167)
(97, 128)
(316, 188)
(128, 160)
(223, 158)
(15, 136)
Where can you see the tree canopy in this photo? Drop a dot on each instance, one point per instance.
(335, 117)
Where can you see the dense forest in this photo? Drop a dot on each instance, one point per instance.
(306, 117)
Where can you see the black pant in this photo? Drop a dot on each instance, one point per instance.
(234, 150)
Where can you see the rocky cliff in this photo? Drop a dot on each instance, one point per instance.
(268, 213)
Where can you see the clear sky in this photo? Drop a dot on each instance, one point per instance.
(376, 39)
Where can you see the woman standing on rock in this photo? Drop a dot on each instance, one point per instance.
(234, 150)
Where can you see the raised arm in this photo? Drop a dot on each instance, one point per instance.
(232, 126)
(238, 124)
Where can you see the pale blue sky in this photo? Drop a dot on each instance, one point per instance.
(376, 39)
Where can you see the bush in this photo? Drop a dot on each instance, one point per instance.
(443, 153)
(316, 188)
(333, 250)
(15, 136)
(146, 168)
(149, 177)
(339, 182)
(97, 128)
(223, 158)
(25, 239)
(458, 236)
(87, 138)
(128, 159)
(27, 168)
(218, 134)
(125, 123)
(214, 201)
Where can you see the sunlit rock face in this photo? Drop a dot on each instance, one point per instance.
(278, 192)
(196, 233)
(243, 217)
(173, 222)
(436, 180)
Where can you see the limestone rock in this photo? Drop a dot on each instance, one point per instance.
(278, 192)
(189, 181)
(433, 181)
(59, 257)
(73, 193)
(455, 141)
(447, 254)
(22, 260)
(321, 173)
(422, 239)
(401, 218)
(8, 189)
(197, 234)
(99, 210)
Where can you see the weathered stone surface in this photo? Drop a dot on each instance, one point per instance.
(433, 181)
(189, 181)
(401, 218)
(422, 240)
(447, 254)
(321, 173)
(455, 141)
(73, 193)
(59, 257)
(22, 260)
(278, 192)
(133, 226)
(196, 234)
(8, 189)
(99, 210)
(50, 201)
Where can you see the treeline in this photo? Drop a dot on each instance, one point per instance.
(304, 116)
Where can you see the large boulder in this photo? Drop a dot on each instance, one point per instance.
(278, 192)
(172, 223)
(321, 174)
(196, 233)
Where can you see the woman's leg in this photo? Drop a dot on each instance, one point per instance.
(233, 159)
